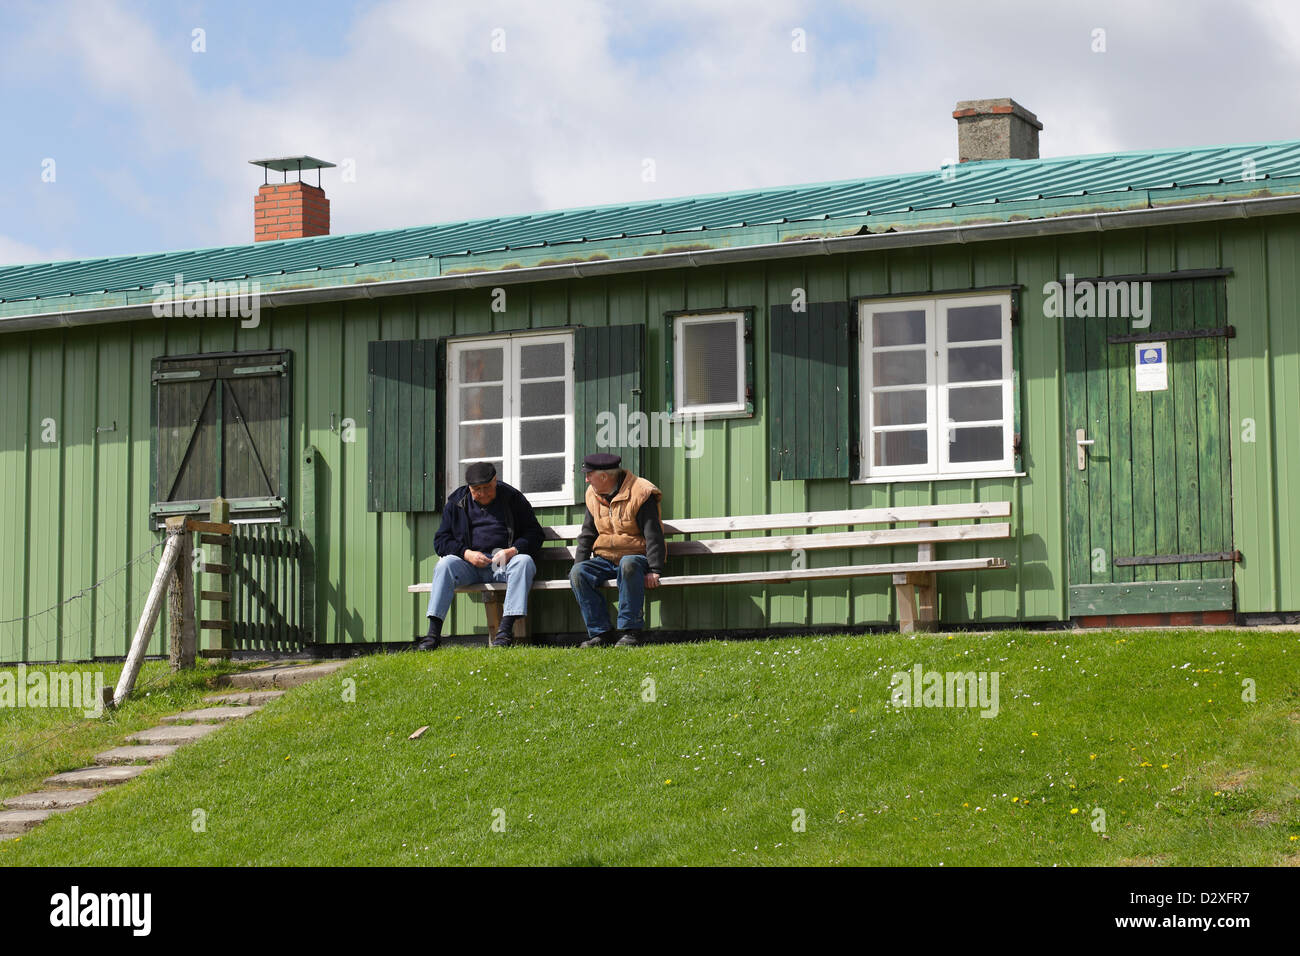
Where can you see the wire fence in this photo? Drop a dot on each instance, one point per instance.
(96, 616)
(100, 621)
(99, 617)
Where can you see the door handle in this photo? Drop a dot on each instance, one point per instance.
(1081, 446)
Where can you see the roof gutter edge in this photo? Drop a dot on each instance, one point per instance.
(947, 235)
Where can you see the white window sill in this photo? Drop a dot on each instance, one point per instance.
(709, 415)
(895, 479)
(550, 499)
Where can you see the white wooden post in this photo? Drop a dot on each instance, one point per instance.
(152, 606)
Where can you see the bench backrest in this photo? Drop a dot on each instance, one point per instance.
(925, 532)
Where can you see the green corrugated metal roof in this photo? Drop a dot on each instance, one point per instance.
(987, 190)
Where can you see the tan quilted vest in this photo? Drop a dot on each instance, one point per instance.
(617, 533)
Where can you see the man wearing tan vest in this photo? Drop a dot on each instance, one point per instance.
(623, 528)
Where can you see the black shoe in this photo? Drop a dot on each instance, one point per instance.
(428, 643)
(598, 641)
(629, 639)
(501, 640)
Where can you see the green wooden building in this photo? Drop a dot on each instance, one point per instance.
(927, 338)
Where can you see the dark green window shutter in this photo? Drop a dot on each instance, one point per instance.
(749, 362)
(186, 434)
(254, 431)
(812, 386)
(1016, 359)
(402, 427)
(608, 361)
(221, 427)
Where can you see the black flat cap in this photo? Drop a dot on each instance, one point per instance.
(601, 462)
(480, 472)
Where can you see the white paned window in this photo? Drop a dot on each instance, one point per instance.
(936, 387)
(510, 402)
(709, 364)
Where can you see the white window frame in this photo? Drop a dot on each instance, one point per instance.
(716, 409)
(512, 418)
(938, 424)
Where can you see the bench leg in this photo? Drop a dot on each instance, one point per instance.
(494, 604)
(918, 601)
(906, 595)
(927, 602)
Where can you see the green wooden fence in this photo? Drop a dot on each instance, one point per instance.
(272, 588)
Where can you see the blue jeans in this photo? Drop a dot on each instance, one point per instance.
(586, 578)
(452, 572)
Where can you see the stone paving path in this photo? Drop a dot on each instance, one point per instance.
(74, 788)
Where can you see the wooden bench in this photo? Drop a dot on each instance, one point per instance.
(914, 581)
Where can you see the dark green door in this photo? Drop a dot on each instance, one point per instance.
(1149, 512)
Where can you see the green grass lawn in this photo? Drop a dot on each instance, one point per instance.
(559, 749)
(36, 742)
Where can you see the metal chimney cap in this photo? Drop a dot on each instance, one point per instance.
(285, 164)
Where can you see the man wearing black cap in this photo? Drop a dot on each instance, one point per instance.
(623, 528)
(488, 533)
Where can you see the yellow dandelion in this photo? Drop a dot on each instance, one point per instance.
(667, 782)
(1164, 766)
(1092, 756)
(965, 804)
(853, 710)
(1121, 780)
(1033, 733)
(1074, 810)
(1295, 838)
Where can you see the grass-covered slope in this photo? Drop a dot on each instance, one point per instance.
(539, 755)
(36, 742)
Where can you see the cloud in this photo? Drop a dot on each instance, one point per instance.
(440, 126)
(13, 253)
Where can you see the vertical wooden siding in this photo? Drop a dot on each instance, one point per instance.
(73, 511)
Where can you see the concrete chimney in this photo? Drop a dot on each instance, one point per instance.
(995, 129)
(288, 210)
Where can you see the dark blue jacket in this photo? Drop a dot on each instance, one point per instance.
(453, 535)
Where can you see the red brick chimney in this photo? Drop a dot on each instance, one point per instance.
(290, 210)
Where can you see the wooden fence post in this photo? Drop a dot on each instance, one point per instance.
(216, 563)
(182, 644)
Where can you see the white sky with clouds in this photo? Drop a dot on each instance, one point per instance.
(151, 140)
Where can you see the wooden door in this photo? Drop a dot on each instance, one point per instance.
(1149, 513)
